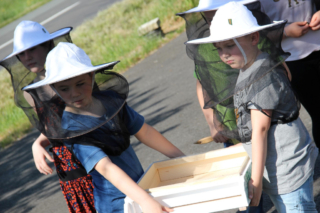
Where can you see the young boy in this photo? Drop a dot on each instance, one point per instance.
(98, 123)
(266, 109)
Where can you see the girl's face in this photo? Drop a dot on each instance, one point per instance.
(230, 53)
(34, 58)
(76, 92)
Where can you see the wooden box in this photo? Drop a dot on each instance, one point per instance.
(208, 182)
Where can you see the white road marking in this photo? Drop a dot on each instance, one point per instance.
(46, 21)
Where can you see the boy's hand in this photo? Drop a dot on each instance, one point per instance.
(152, 206)
(296, 29)
(315, 21)
(217, 136)
(255, 191)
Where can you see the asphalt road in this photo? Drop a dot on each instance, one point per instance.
(162, 89)
(54, 15)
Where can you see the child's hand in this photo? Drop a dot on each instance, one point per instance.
(217, 136)
(255, 191)
(296, 29)
(40, 155)
(152, 206)
(315, 21)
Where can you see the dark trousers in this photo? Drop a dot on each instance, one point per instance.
(306, 84)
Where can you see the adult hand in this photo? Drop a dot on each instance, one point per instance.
(255, 191)
(315, 21)
(296, 29)
(40, 154)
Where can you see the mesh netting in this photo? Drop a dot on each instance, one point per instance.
(220, 82)
(47, 108)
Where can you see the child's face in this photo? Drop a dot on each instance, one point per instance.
(34, 58)
(76, 92)
(230, 53)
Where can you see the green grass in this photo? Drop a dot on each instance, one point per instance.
(112, 35)
(11, 10)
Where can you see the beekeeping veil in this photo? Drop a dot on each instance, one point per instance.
(219, 80)
(27, 35)
(50, 111)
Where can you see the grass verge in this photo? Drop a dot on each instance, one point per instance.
(11, 10)
(112, 35)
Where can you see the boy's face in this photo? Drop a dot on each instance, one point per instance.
(76, 92)
(34, 58)
(230, 53)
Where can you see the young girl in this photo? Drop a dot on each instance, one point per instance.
(97, 124)
(32, 42)
(266, 108)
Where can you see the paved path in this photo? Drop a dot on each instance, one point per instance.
(162, 89)
(53, 16)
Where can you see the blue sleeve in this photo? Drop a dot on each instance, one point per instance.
(133, 120)
(89, 156)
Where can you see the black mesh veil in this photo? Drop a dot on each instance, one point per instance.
(21, 76)
(47, 108)
(44, 108)
(220, 82)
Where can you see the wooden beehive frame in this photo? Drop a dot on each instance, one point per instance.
(187, 183)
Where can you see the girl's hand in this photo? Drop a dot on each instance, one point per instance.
(315, 21)
(255, 191)
(152, 206)
(40, 155)
(296, 29)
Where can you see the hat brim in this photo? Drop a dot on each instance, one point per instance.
(219, 37)
(213, 7)
(56, 79)
(53, 35)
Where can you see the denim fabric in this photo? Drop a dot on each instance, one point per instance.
(300, 200)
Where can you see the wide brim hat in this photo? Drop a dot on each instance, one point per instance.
(209, 5)
(67, 61)
(232, 20)
(29, 34)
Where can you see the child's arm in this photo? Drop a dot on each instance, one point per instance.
(152, 138)
(126, 185)
(40, 154)
(208, 114)
(315, 21)
(260, 127)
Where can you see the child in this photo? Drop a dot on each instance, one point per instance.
(32, 42)
(266, 108)
(99, 123)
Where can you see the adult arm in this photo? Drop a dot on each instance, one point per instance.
(155, 140)
(40, 154)
(126, 185)
(209, 116)
(260, 127)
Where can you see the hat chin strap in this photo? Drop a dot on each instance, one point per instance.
(242, 51)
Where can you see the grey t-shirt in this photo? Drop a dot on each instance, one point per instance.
(291, 154)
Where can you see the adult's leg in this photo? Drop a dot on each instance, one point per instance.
(306, 84)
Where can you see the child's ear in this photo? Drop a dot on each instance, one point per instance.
(255, 38)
